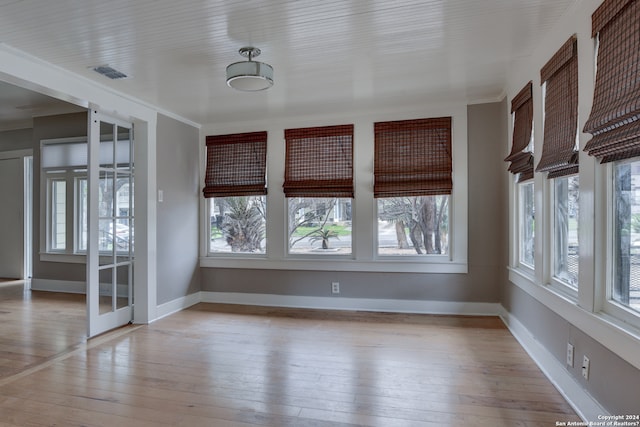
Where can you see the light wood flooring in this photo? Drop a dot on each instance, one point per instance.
(220, 365)
(37, 326)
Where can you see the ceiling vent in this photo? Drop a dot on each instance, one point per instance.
(107, 71)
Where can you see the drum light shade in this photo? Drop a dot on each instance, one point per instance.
(250, 76)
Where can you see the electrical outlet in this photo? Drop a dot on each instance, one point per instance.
(585, 367)
(569, 355)
(335, 287)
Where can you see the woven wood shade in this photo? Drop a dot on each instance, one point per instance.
(522, 109)
(559, 154)
(522, 165)
(413, 158)
(614, 121)
(319, 162)
(236, 165)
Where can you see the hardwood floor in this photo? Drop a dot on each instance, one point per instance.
(220, 365)
(37, 326)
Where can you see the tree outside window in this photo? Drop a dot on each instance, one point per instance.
(238, 224)
(320, 225)
(413, 225)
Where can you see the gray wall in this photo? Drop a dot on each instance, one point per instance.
(178, 177)
(487, 135)
(60, 126)
(20, 139)
(612, 381)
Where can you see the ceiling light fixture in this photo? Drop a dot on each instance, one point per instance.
(250, 76)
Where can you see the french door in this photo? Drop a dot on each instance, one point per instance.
(110, 230)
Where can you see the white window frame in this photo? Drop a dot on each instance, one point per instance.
(70, 177)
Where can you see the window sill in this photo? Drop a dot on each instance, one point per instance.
(336, 264)
(61, 257)
(563, 290)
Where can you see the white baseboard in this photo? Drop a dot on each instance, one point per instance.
(356, 304)
(71, 287)
(50, 285)
(77, 287)
(582, 402)
(178, 304)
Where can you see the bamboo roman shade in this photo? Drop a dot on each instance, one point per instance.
(319, 162)
(615, 116)
(559, 154)
(522, 109)
(236, 165)
(413, 158)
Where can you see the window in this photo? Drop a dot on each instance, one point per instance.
(565, 230)
(319, 225)
(413, 225)
(58, 209)
(82, 214)
(61, 195)
(412, 184)
(64, 177)
(560, 158)
(238, 224)
(235, 185)
(318, 185)
(526, 213)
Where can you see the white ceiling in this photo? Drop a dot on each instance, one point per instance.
(328, 55)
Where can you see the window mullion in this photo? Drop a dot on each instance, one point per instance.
(70, 213)
(543, 252)
(596, 201)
